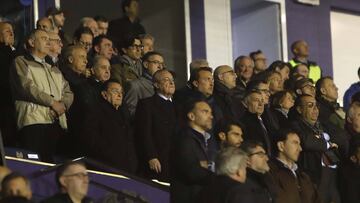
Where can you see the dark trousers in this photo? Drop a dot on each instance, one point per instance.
(328, 187)
(42, 139)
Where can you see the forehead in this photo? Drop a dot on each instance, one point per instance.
(258, 149)
(75, 168)
(79, 51)
(260, 55)
(235, 128)
(245, 61)
(105, 40)
(255, 95)
(293, 137)
(204, 73)
(114, 85)
(4, 26)
(328, 81)
(224, 69)
(156, 57)
(45, 21)
(86, 36)
(53, 35)
(263, 85)
(103, 61)
(202, 106)
(308, 99)
(137, 41)
(40, 34)
(165, 74)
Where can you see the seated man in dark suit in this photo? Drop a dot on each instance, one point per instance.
(227, 186)
(292, 184)
(258, 182)
(254, 125)
(155, 122)
(190, 164)
(319, 158)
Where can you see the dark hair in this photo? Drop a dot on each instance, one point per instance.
(254, 53)
(294, 44)
(106, 84)
(10, 177)
(126, 42)
(195, 74)
(254, 84)
(82, 30)
(282, 135)
(150, 54)
(299, 99)
(126, 3)
(249, 145)
(53, 11)
(98, 39)
(190, 105)
(358, 71)
(62, 168)
(224, 125)
(295, 68)
(278, 97)
(320, 83)
(101, 18)
(278, 64)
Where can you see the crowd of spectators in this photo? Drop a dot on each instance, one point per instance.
(244, 132)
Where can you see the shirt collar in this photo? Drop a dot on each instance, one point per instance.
(37, 59)
(163, 97)
(293, 168)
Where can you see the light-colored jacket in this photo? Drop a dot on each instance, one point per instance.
(35, 86)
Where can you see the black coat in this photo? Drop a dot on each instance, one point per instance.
(230, 106)
(349, 183)
(107, 137)
(223, 189)
(257, 188)
(313, 146)
(187, 175)
(155, 122)
(254, 131)
(63, 198)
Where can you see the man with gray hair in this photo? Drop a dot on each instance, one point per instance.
(227, 186)
(147, 41)
(91, 24)
(244, 69)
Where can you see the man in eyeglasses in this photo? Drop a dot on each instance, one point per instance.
(55, 47)
(83, 36)
(319, 156)
(143, 87)
(258, 183)
(73, 181)
(130, 66)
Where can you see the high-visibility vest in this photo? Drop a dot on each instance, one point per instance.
(314, 70)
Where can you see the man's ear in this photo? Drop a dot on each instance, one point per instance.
(123, 50)
(145, 64)
(191, 116)
(298, 91)
(323, 91)
(71, 59)
(298, 109)
(31, 42)
(62, 181)
(195, 83)
(103, 94)
(156, 85)
(280, 146)
(97, 49)
(348, 119)
(222, 136)
(353, 159)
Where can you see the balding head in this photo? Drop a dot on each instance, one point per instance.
(7, 34)
(225, 75)
(44, 24)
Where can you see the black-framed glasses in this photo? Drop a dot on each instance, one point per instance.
(262, 154)
(80, 175)
(136, 46)
(158, 63)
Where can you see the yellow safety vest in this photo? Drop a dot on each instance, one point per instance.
(314, 70)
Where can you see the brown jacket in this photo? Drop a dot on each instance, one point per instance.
(291, 188)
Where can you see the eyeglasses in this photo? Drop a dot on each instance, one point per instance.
(261, 154)
(230, 71)
(85, 44)
(158, 63)
(135, 46)
(115, 91)
(80, 175)
(264, 90)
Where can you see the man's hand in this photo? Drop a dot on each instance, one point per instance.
(155, 165)
(58, 107)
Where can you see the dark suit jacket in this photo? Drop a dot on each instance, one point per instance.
(187, 175)
(257, 188)
(254, 130)
(155, 122)
(107, 137)
(63, 198)
(223, 189)
(349, 183)
(313, 146)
